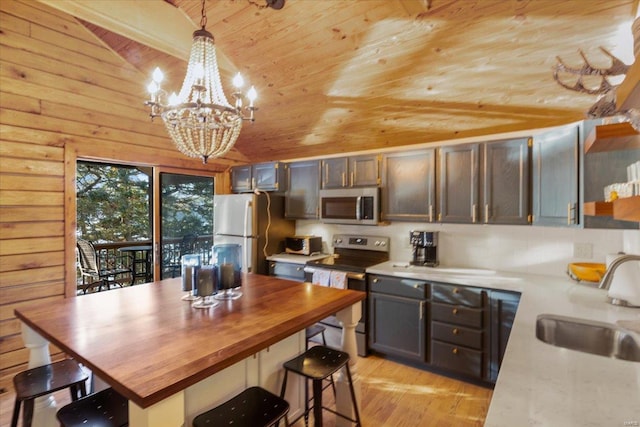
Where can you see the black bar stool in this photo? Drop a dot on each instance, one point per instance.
(317, 364)
(43, 380)
(254, 407)
(106, 408)
(311, 332)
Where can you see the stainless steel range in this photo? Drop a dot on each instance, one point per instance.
(352, 254)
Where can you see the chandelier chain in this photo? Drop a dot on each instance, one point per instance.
(203, 19)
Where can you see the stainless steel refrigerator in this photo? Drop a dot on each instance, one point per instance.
(244, 219)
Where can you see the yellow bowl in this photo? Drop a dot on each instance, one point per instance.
(587, 271)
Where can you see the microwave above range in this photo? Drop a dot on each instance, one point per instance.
(350, 206)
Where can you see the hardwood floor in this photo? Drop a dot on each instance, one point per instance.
(393, 395)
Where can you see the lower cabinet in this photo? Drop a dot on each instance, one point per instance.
(503, 311)
(397, 317)
(459, 323)
(460, 329)
(287, 270)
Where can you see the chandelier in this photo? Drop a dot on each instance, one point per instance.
(200, 120)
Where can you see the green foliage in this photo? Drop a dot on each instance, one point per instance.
(187, 205)
(113, 203)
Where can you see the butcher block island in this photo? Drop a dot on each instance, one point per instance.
(173, 361)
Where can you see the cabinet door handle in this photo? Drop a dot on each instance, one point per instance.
(326, 174)
(430, 213)
(375, 280)
(473, 213)
(344, 179)
(486, 213)
(454, 311)
(273, 264)
(299, 268)
(351, 180)
(570, 216)
(421, 309)
(455, 331)
(253, 183)
(454, 351)
(456, 290)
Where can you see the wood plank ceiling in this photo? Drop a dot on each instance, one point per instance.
(338, 76)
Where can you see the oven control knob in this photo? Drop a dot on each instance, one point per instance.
(338, 241)
(380, 243)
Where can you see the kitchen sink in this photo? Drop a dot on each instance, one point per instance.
(587, 336)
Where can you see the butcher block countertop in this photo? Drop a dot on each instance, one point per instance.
(543, 385)
(148, 344)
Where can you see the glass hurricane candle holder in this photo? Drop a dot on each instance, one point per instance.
(189, 265)
(206, 279)
(227, 259)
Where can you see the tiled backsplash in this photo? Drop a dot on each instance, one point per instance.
(536, 250)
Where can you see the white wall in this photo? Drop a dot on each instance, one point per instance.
(521, 249)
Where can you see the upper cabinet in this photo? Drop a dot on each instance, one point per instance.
(355, 171)
(505, 182)
(458, 183)
(303, 181)
(555, 177)
(485, 183)
(409, 186)
(261, 176)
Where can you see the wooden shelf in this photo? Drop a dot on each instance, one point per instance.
(626, 209)
(615, 136)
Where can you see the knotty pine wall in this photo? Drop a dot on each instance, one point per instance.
(63, 96)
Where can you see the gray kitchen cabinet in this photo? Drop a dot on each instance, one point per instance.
(398, 317)
(459, 329)
(505, 182)
(409, 186)
(504, 305)
(287, 270)
(355, 171)
(267, 176)
(301, 198)
(459, 183)
(485, 183)
(555, 177)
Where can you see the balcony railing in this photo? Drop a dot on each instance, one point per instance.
(141, 265)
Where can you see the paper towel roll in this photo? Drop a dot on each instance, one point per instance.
(626, 280)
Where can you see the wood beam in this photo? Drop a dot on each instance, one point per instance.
(156, 24)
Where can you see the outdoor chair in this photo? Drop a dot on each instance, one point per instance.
(97, 276)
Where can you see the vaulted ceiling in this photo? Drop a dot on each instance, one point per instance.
(338, 76)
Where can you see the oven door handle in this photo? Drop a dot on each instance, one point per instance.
(350, 275)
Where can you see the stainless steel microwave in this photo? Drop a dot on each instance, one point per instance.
(350, 206)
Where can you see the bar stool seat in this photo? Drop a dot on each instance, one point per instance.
(106, 408)
(317, 364)
(43, 380)
(254, 407)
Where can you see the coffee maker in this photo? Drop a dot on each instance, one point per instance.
(425, 248)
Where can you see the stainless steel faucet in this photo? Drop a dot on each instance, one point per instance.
(605, 283)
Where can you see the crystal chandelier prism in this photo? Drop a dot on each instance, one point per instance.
(200, 120)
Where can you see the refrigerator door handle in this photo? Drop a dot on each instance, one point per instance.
(245, 244)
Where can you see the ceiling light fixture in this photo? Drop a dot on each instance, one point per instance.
(200, 120)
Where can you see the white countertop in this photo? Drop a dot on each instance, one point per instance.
(543, 385)
(296, 259)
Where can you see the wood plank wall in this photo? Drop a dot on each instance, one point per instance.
(63, 95)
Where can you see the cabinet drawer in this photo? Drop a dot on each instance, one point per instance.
(457, 315)
(289, 270)
(457, 335)
(456, 358)
(463, 295)
(399, 286)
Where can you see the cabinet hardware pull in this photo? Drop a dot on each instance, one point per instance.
(298, 268)
(326, 174)
(570, 217)
(344, 179)
(456, 290)
(473, 213)
(421, 309)
(430, 213)
(375, 280)
(455, 331)
(454, 351)
(351, 180)
(454, 311)
(253, 183)
(273, 264)
(486, 213)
